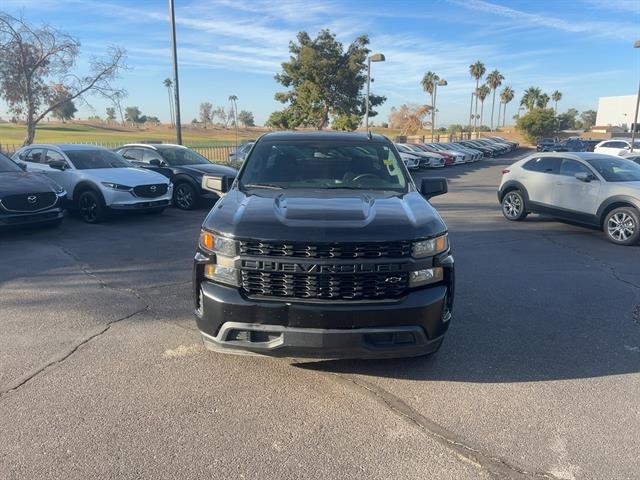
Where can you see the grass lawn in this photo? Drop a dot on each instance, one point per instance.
(113, 135)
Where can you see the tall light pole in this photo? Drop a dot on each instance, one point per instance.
(441, 83)
(176, 88)
(376, 57)
(471, 114)
(634, 125)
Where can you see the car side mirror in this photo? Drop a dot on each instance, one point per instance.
(432, 187)
(216, 183)
(58, 164)
(584, 177)
(155, 162)
(23, 166)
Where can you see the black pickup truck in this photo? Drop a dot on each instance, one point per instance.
(323, 246)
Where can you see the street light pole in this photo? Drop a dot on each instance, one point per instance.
(442, 83)
(634, 125)
(471, 114)
(176, 88)
(376, 57)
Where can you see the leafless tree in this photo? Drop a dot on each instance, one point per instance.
(34, 59)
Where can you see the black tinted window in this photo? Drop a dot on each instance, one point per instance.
(178, 156)
(89, 159)
(544, 165)
(149, 155)
(134, 154)
(34, 155)
(571, 167)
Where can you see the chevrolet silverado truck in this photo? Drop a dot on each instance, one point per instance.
(324, 247)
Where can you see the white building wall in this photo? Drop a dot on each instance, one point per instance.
(616, 111)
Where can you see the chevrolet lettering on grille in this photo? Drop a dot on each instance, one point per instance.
(274, 266)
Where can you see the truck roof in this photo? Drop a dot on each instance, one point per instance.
(324, 136)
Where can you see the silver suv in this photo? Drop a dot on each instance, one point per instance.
(588, 188)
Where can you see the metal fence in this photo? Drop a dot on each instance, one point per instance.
(213, 153)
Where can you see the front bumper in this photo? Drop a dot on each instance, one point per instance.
(413, 325)
(151, 204)
(8, 220)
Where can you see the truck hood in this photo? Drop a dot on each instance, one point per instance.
(13, 183)
(324, 216)
(126, 176)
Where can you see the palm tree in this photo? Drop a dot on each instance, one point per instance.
(494, 80)
(506, 96)
(530, 98)
(169, 85)
(482, 93)
(556, 97)
(428, 85)
(234, 102)
(543, 101)
(477, 71)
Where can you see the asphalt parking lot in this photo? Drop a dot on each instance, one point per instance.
(102, 373)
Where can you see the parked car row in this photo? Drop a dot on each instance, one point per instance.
(43, 180)
(571, 144)
(437, 155)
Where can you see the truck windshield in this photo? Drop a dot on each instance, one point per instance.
(362, 165)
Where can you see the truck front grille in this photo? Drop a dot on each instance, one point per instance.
(359, 286)
(326, 250)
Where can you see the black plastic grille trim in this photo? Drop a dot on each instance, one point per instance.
(145, 191)
(21, 203)
(326, 250)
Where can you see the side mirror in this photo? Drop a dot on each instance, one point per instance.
(216, 184)
(58, 164)
(584, 177)
(23, 166)
(155, 162)
(432, 187)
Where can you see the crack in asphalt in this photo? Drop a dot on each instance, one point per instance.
(614, 273)
(61, 358)
(497, 467)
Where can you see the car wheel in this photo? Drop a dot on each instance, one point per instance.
(185, 196)
(91, 207)
(513, 207)
(622, 226)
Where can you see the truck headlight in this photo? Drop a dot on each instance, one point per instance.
(418, 278)
(213, 243)
(431, 247)
(222, 274)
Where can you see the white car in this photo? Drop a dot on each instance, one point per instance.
(412, 162)
(460, 157)
(427, 159)
(589, 188)
(616, 146)
(97, 180)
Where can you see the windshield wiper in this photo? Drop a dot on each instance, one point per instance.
(263, 185)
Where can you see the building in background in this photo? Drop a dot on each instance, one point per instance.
(616, 111)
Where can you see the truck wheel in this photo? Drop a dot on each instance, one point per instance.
(513, 206)
(91, 207)
(622, 226)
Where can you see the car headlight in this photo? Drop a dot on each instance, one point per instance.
(431, 247)
(419, 278)
(214, 243)
(116, 186)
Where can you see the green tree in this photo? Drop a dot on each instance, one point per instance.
(539, 122)
(346, 122)
(64, 108)
(482, 93)
(428, 83)
(530, 98)
(556, 97)
(324, 80)
(111, 114)
(246, 118)
(567, 120)
(280, 120)
(506, 96)
(543, 101)
(133, 114)
(494, 80)
(477, 70)
(588, 118)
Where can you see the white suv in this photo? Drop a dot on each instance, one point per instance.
(616, 146)
(98, 180)
(588, 188)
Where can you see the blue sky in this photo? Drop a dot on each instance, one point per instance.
(581, 47)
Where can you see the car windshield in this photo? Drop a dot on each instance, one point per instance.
(365, 165)
(7, 165)
(177, 157)
(95, 158)
(616, 170)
